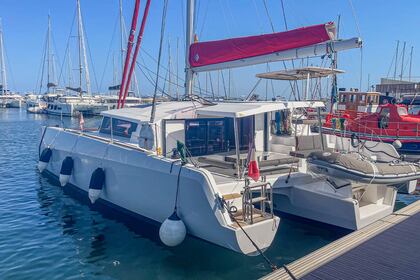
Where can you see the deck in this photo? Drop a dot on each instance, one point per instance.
(386, 249)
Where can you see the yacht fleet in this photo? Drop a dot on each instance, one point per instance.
(186, 164)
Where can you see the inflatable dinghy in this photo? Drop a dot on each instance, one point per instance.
(354, 167)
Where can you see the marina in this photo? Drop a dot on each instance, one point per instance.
(198, 152)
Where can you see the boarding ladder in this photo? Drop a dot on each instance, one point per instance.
(249, 200)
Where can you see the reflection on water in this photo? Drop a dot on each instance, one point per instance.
(50, 232)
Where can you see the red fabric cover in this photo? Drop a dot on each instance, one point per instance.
(213, 52)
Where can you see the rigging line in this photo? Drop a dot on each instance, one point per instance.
(67, 45)
(253, 89)
(182, 20)
(284, 15)
(109, 51)
(90, 56)
(140, 65)
(10, 69)
(390, 66)
(55, 54)
(225, 17)
(151, 81)
(355, 18)
(162, 34)
(41, 67)
(211, 85)
(224, 84)
(258, 16)
(204, 19)
(268, 15)
(196, 14)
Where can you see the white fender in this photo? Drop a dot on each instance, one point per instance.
(42, 166)
(172, 231)
(94, 195)
(64, 179)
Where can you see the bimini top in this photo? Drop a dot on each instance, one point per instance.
(299, 73)
(189, 110)
(164, 110)
(240, 109)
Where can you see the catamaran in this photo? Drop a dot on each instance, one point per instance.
(191, 165)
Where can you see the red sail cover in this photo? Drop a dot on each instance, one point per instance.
(214, 52)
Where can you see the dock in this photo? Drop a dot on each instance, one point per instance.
(386, 249)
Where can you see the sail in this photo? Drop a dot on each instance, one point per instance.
(230, 50)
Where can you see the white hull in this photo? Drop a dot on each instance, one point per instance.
(317, 200)
(145, 184)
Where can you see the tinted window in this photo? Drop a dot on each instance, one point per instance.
(120, 127)
(402, 111)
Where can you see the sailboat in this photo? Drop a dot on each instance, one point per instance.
(37, 103)
(72, 105)
(7, 98)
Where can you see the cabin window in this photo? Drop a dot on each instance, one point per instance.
(385, 112)
(343, 98)
(121, 128)
(352, 98)
(362, 98)
(402, 111)
(212, 136)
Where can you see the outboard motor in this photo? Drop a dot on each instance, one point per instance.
(172, 231)
(66, 170)
(44, 158)
(96, 184)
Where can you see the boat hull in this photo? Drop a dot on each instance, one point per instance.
(146, 185)
(317, 201)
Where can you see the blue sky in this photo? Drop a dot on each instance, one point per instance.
(381, 24)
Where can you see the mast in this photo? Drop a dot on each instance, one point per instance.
(70, 69)
(169, 68)
(396, 60)
(123, 38)
(189, 39)
(411, 61)
(402, 62)
(82, 53)
(334, 92)
(3, 63)
(122, 32)
(177, 68)
(48, 52)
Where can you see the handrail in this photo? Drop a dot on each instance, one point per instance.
(109, 141)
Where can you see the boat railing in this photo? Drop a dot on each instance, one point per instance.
(390, 129)
(107, 140)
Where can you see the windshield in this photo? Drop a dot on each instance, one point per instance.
(402, 111)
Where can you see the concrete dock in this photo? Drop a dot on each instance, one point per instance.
(386, 249)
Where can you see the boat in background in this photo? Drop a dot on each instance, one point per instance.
(35, 103)
(8, 99)
(76, 100)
